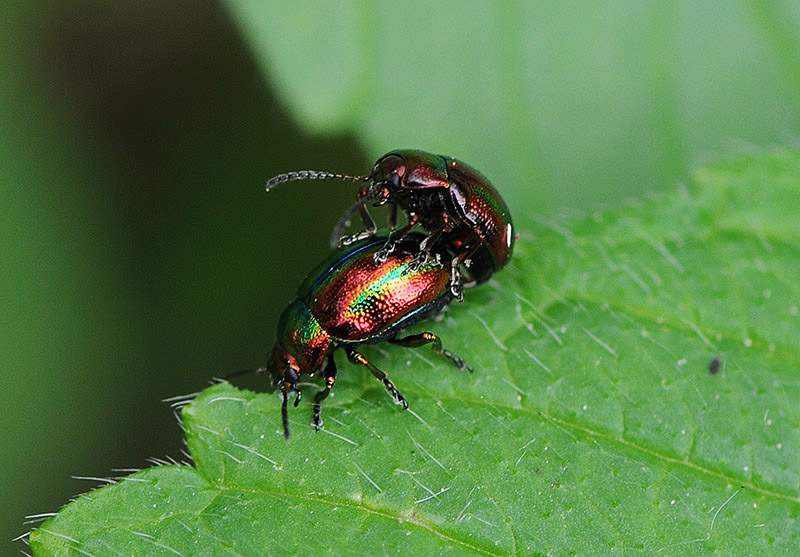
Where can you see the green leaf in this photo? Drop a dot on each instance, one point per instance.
(593, 421)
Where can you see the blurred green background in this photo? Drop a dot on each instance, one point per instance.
(140, 255)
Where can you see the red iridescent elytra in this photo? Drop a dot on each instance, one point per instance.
(351, 299)
(454, 203)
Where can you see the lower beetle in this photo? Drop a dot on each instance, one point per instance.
(350, 299)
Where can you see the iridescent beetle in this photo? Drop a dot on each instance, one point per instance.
(454, 203)
(352, 298)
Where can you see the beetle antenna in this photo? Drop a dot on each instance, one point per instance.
(312, 175)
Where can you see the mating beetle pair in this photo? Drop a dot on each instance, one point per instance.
(374, 286)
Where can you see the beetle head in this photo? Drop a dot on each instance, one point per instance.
(284, 369)
(387, 178)
(285, 373)
(407, 169)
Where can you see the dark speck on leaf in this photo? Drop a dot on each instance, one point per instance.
(713, 367)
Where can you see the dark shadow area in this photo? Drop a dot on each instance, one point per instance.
(205, 260)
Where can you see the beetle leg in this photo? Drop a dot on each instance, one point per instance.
(285, 412)
(369, 223)
(424, 255)
(358, 358)
(423, 258)
(338, 230)
(456, 284)
(338, 238)
(383, 254)
(391, 220)
(288, 383)
(330, 378)
(413, 341)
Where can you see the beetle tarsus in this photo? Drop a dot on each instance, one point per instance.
(457, 291)
(414, 265)
(353, 238)
(316, 420)
(457, 360)
(456, 283)
(383, 254)
(330, 379)
(396, 395)
(358, 358)
(422, 259)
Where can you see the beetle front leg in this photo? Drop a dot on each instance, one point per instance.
(285, 412)
(330, 378)
(338, 238)
(288, 383)
(358, 358)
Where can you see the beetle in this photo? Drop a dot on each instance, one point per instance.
(352, 298)
(454, 203)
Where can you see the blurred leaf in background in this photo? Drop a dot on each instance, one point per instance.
(139, 248)
(140, 255)
(561, 104)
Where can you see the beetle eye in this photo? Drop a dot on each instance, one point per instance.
(390, 168)
(395, 180)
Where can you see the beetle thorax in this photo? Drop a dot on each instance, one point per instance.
(302, 342)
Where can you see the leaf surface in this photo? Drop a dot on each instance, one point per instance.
(593, 421)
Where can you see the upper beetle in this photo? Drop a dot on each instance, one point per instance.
(455, 204)
(352, 298)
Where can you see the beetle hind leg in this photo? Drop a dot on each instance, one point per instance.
(358, 358)
(414, 341)
(457, 284)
